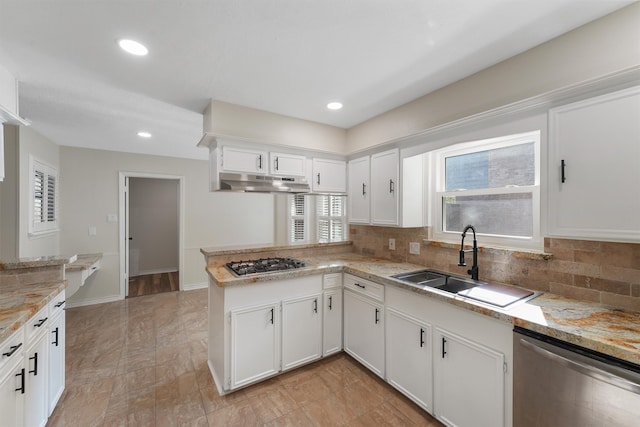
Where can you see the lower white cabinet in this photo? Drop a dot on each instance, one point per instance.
(301, 330)
(36, 409)
(12, 380)
(409, 357)
(57, 340)
(332, 322)
(364, 330)
(469, 382)
(255, 343)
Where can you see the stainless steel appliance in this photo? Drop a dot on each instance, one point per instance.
(264, 265)
(560, 384)
(250, 183)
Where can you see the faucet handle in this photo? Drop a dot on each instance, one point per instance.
(461, 263)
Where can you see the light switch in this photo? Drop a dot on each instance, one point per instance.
(92, 230)
(112, 218)
(392, 244)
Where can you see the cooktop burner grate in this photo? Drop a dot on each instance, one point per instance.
(264, 265)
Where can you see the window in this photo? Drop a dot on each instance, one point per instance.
(43, 202)
(321, 218)
(493, 185)
(297, 219)
(332, 220)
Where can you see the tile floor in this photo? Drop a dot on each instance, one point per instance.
(143, 362)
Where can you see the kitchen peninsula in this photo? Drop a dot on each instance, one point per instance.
(238, 303)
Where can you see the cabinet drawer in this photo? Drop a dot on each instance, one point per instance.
(37, 324)
(12, 347)
(332, 280)
(57, 304)
(364, 287)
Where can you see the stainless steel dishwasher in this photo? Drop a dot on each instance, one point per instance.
(560, 384)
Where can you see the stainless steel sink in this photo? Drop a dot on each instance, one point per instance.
(490, 293)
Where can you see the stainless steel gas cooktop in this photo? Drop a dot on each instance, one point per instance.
(264, 265)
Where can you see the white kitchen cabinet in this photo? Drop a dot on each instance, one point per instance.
(363, 325)
(468, 382)
(12, 379)
(301, 330)
(36, 409)
(255, 343)
(359, 191)
(385, 188)
(57, 335)
(409, 357)
(332, 314)
(329, 176)
(243, 160)
(283, 164)
(594, 150)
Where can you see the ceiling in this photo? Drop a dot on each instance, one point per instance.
(290, 57)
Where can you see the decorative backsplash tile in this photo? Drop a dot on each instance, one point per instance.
(604, 272)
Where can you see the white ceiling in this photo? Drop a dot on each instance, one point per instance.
(286, 56)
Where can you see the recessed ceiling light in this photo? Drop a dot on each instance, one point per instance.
(334, 105)
(133, 47)
(143, 134)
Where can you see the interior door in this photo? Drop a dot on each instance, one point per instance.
(127, 236)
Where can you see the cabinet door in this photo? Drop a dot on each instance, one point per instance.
(287, 164)
(329, 176)
(255, 344)
(409, 356)
(241, 160)
(364, 331)
(301, 330)
(359, 191)
(332, 330)
(36, 410)
(593, 168)
(384, 188)
(56, 360)
(12, 392)
(469, 382)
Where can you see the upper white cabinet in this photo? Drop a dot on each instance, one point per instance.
(359, 191)
(594, 152)
(243, 160)
(377, 194)
(329, 176)
(287, 164)
(385, 188)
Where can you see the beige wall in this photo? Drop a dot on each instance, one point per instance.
(31, 143)
(90, 193)
(599, 48)
(9, 196)
(235, 121)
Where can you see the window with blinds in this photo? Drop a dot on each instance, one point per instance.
(44, 205)
(297, 219)
(331, 217)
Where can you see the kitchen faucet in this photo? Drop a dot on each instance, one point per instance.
(474, 269)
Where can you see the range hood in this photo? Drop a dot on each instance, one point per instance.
(251, 183)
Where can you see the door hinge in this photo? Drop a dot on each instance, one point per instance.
(504, 367)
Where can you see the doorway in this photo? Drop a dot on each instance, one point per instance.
(151, 234)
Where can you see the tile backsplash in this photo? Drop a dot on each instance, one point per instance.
(595, 271)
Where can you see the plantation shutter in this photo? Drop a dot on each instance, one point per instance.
(297, 215)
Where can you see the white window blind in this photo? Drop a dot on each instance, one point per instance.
(297, 218)
(44, 204)
(331, 215)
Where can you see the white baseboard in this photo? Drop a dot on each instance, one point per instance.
(82, 303)
(194, 286)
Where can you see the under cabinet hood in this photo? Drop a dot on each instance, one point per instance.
(251, 183)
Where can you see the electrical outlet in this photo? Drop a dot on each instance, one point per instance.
(392, 244)
(414, 248)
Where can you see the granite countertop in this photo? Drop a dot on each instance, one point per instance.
(83, 262)
(595, 326)
(44, 261)
(18, 303)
